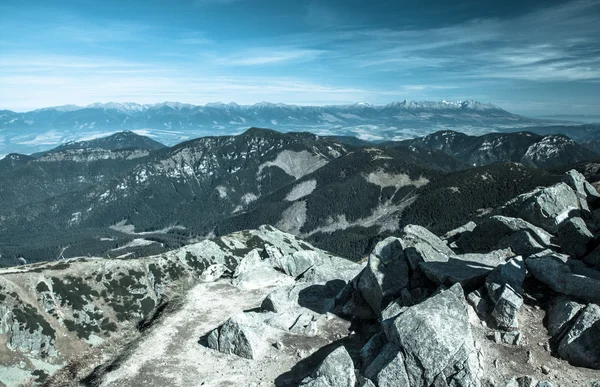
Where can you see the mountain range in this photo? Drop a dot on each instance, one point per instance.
(171, 123)
(126, 195)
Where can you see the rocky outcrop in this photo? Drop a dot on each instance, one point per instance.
(574, 237)
(545, 207)
(436, 340)
(337, 370)
(565, 275)
(579, 345)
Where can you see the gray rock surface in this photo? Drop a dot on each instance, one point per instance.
(489, 234)
(388, 369)
(241, 335)
(545, 207)
(565, 276)
(584, 190)
(593, 258)
(436, 339)
(574, 237)
(421, 245)
(299, 262)
(580, 344)
(337, 370)
(386, 274)
(467, 269)
(561, 314)
(371, 349)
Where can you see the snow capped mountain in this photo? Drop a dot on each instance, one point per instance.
(173, 122)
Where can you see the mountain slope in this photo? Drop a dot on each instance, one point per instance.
(160, 200)
(523, 147)
(117, 141)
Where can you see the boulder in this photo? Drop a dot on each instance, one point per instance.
(522, 381)
(510, 274)
(453, 235)
(364, 382)
(507, 308)
(565, 276)
(579, 346)
(421, 245)
(260, 275)
(574, 237)
(350, 302)
(386, 274)
(505, 232)
(388, 370)
(436, 340)
(213, 273)
(545, 207)
(371, 349)
(299, 262)
(593, 258)
(241, 335)
(521, 242)
(584, 190)
(470, 270)
(561, 313)
(337, 370)
(248, 263)
(283, 298)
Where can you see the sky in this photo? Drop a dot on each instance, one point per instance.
(533, 57)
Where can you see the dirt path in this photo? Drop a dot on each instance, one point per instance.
(170, 354)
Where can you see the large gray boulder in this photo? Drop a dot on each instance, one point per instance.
(593, 258)
(545, 207)
(421, 245)
(299, 262)
(584, 190)
(561, 313)
(388, 369)
(436, 340)
(371, 349)
(580, 346)
(505, 232)
(574, 237)
(505, 290)
(470, 270)
(241, 335)
(386, 274)
(566, 276)
(337, 370)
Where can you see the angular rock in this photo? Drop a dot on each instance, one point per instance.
(260, 275)
(584, 190)
(388, 370)
(561, 313)
(241, 335)
(385, 275)
(436, 340)
(337, 370)
(371, 349)
(364, 382)
(580, 346)
(545, 207)
(593, 258)
(248, 263)
(283, 298)
(511, 274)
(507, 308)
(565, 276)
(213, 273)
(522, 381)
(299, 262)
(421, 245)
(497, 232)
(574, 237)
(521, 242)
(350, 302)
(453, 235)
(469, 270)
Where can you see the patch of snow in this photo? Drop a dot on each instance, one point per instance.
(222, 191)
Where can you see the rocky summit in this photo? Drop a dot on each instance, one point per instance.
(512, 299)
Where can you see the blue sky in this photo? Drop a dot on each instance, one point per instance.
(530, 57)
